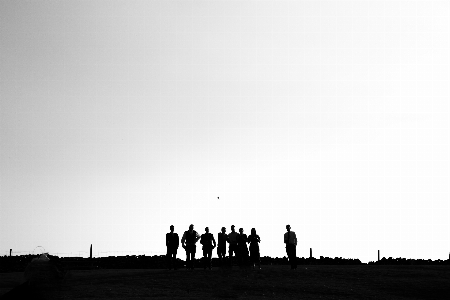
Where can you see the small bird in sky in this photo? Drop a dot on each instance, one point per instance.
(217, 197)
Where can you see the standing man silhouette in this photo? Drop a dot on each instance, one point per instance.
(190, 237)
(209, 243)
(222, 238)
(172, 243)
(242, 248)
(232, 240)
(290, 240)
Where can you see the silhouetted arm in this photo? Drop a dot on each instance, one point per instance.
(251, 238)
(183, 239)
(214, 241)
(197, 237)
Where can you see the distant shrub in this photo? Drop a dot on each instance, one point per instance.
(19, 263)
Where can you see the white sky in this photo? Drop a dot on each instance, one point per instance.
(120, 118)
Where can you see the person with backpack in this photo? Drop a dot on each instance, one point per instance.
(188, 241)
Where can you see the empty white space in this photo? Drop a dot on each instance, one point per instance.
(121, 118)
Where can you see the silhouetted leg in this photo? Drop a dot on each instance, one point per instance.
(193, 260)
(191, 250)
(219, 254)
(174, 264)
(252, 258)
(245, 258)
(292, 255)
(188, 259)
(209, 259)
(204, 259)
(258, 260)
(233, 250)
(169, 259)
(288, 253)
(241, 257)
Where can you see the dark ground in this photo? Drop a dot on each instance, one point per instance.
(274, 282)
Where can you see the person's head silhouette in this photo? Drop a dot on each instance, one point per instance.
(171, 228)
(241, 230)
(191, 227)
(232, 228)
(253, 231)
(224, 230)
(206, 229)
(288, 228)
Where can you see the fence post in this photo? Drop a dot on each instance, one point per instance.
(310, 252)
(90, 252)
(378, 255)
(10, 251)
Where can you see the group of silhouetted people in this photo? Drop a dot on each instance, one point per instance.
(237, 246)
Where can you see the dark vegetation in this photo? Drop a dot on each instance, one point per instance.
(19, 263)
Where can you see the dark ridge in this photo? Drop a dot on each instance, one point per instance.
(19, 263)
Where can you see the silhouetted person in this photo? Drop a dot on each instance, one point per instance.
(172, 244)
(222, 238)
(190, 237)
(254, 239)
(232, 240)
(242, 247)
(209, 243)
(291, 244)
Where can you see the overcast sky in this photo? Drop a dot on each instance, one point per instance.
(120, 118)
